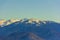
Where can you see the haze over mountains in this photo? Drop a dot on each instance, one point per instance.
(29, 29)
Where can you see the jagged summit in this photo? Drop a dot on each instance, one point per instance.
(4, 22)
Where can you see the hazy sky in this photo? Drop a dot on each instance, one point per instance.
(42, 9)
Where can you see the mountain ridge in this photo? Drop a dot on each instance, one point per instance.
(32, 20)
(20, 30)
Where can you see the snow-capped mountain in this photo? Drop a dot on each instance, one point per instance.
(31, 21)
(30, 29)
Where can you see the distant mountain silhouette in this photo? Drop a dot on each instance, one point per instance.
(27, 30)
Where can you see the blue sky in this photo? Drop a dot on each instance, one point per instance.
(42, 9)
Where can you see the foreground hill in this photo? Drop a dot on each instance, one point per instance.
(31, 30)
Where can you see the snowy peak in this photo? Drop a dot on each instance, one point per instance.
(2, 21)
(34, 20)
(7, 22)
(25, 20)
